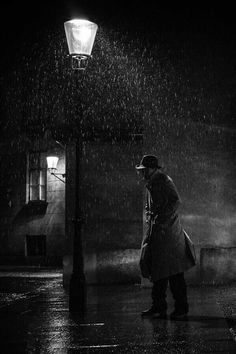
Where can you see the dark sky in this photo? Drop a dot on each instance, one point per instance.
(27, 14)
(197, 26)
(21, 20)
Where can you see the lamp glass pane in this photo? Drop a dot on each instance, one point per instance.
(80, 35)
(52, 161)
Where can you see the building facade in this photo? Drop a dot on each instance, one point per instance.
(32, 209)
(37, 209)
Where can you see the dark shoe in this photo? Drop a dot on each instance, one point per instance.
(154, 313)
(178, 315)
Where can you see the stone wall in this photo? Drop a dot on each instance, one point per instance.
(112, 210)
(36, 218)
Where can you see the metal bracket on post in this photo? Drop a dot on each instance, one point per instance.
(79, 62)
(60, 174)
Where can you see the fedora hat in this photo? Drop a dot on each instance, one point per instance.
(148, 161)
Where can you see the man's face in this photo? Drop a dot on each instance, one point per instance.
(144, 173)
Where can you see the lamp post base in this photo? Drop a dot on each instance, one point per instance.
(77, 294)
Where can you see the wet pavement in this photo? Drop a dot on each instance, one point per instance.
(34, 318)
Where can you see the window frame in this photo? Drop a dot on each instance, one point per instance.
(36, 164)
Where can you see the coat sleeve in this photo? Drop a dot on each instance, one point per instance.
(166, 199)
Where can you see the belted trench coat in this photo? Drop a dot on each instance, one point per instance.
(165, 235)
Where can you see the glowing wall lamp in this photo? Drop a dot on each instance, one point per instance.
(80, 35)
(52, 167)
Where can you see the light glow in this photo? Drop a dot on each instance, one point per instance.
(52, 162)
(80, 35)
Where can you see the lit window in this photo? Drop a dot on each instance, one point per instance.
(37, 178)
(37, 184)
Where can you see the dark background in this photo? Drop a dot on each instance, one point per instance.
(205, 25)
(26, 18)
(201, 31)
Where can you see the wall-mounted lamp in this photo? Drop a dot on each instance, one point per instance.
(52, 167)
(80, 35)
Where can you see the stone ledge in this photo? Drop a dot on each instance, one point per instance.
(217, 265)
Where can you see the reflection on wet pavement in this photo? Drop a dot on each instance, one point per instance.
(42, 324)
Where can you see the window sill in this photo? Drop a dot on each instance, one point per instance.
(36, 207)
(37, 202)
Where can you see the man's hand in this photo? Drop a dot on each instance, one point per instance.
(149, 216)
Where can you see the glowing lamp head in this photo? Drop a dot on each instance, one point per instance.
(80, 35)
(52, 162)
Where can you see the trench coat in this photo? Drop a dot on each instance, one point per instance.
(165, 235)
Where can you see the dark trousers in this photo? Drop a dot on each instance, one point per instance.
(178, 289)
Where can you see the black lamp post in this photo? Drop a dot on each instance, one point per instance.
(80, 35)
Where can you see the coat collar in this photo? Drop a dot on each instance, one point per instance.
(156, 174)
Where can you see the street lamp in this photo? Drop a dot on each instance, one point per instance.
(80, 35)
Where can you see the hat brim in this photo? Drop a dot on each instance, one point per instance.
(140, 167)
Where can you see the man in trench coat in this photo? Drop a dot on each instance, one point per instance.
(166, 241)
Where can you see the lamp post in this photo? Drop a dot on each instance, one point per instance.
(80, 35)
